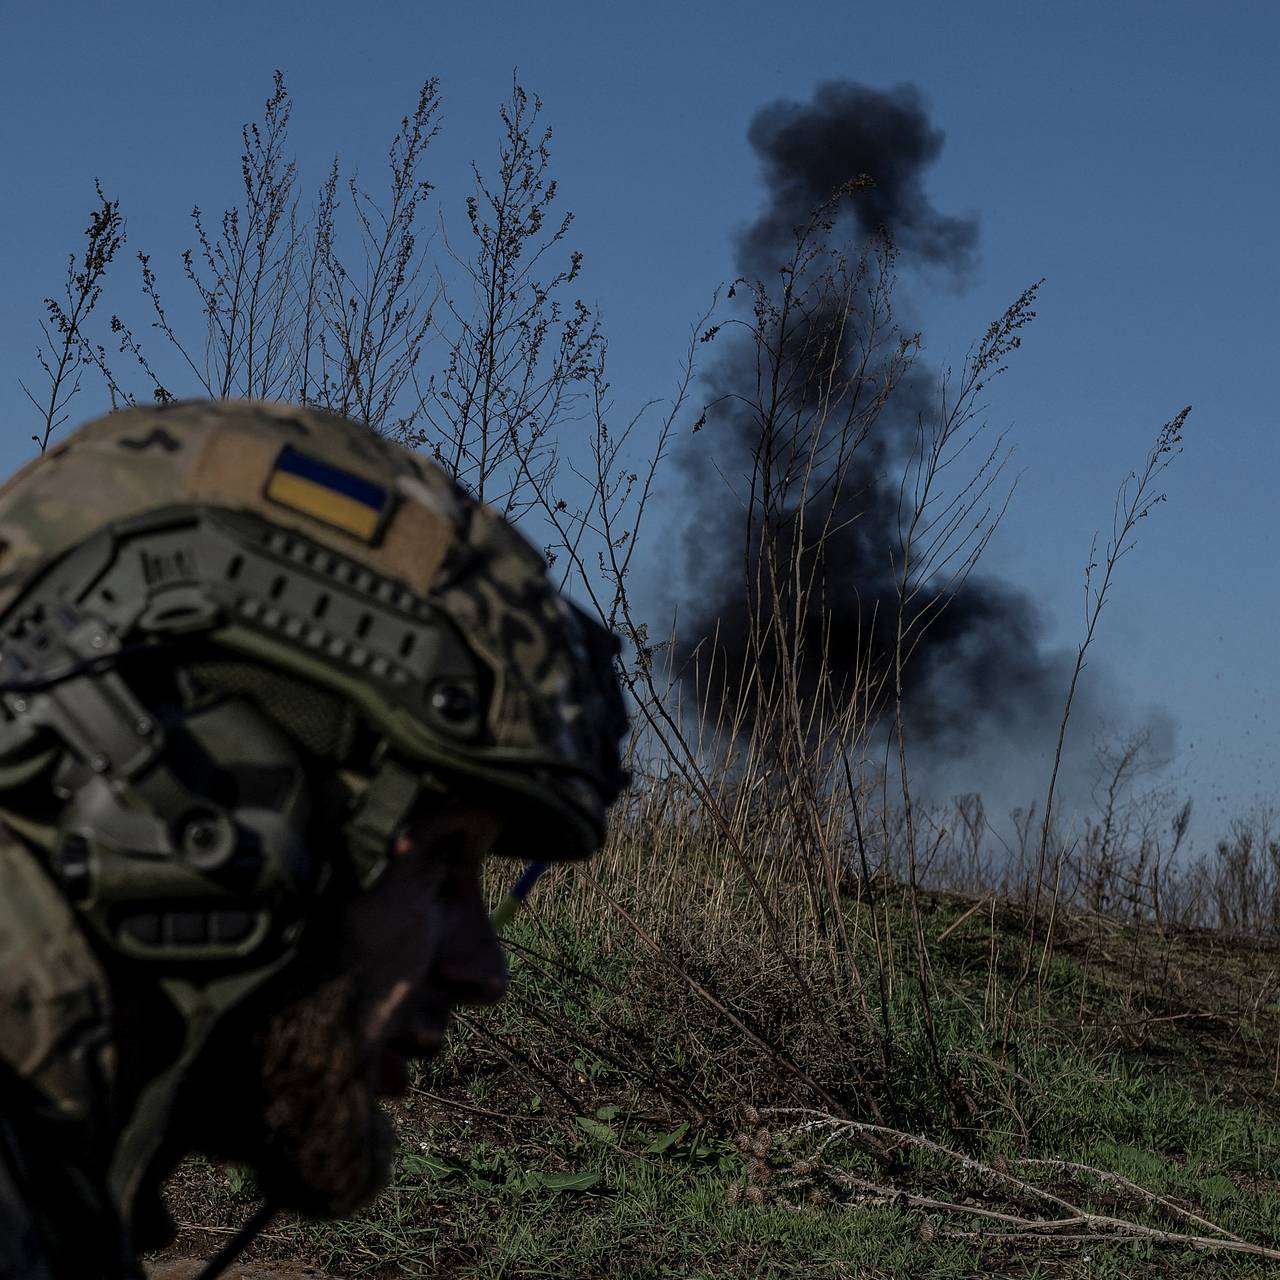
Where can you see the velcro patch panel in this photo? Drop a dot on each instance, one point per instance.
(325, 492)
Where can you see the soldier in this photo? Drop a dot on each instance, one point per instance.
(271, 689)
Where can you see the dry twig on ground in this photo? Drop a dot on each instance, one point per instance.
(1095, 1227)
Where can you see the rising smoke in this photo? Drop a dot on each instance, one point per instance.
(807, 152)
(980, 682)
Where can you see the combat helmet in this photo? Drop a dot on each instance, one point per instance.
(199, 602)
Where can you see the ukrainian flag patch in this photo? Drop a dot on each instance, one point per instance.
(325, 492)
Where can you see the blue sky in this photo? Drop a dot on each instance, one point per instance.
(1126, 152)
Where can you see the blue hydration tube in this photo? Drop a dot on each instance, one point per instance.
(514, 898)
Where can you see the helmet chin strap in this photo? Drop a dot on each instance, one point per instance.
(261, 1217)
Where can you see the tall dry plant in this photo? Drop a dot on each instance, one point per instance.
(479, 355)
(65, 350)
(520, 352)
(1137, 497)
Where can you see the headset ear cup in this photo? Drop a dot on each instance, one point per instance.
(208, 855)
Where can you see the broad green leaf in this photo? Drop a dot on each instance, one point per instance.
(608, 1112)
(600, 1132)
(427, 1166)
(666, 1140)
(1145, 1164)
(583, 1181)
(1217, 1188)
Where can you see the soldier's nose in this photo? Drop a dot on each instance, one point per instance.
(475, 974)
(491, 987)
(470, 965)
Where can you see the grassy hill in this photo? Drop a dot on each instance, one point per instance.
(924, 1084)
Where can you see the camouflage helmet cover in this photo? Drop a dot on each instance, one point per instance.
(336, 499)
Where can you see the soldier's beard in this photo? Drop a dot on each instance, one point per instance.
(324, 1146)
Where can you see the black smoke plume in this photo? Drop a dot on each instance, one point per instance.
(808, 152)
(979, 670)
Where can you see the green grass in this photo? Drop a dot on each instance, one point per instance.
(515, 1212)
(589, 1126)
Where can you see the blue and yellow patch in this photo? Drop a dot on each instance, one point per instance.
(325, 492)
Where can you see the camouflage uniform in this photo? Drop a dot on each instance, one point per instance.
(55, 1078)
(374, 572)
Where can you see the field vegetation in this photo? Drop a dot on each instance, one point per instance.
(795, 1020)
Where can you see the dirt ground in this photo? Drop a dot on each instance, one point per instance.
(190, 1268)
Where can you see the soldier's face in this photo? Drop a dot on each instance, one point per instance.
(420, 941)
(408, 951)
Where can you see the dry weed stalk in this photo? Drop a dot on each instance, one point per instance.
(1136, 498)
(66, 349)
